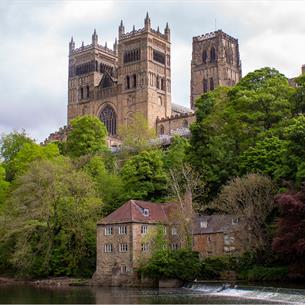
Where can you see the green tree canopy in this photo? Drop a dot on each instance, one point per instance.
(137, 134)
(298, 99)
(266, 157)
(4, 185)
(30, 152)
(50, 222)
(10, 145)
(144, 176)
(231, 121)
(87, 136)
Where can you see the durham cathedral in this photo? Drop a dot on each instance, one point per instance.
(135, 77)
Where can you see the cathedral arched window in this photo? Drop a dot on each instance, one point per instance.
(134, 77)
(88, 91)
(108, 117)
(213, 55)
(162, 84)
(211, 84)
(127, 82)
(205, 86)
(161, 130)
(158, 82)
(204, 56)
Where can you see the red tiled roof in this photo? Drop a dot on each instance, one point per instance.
(133, 211)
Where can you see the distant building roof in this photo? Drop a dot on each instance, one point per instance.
(207, 224)
(141, 212)
(178, 109)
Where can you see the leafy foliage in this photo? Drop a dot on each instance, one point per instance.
(4, 185)
(10, 145)
(289, 241)
(180, 264)
(251, 199)
(144, 176)
(88, 136)
(51, 221)
(29, 153)
(137, 134)
(231, 121)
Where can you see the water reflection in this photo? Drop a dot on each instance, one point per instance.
(101, 295)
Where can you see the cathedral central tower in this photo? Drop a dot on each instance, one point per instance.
(144, 71)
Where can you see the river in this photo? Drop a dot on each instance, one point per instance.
(194, 294)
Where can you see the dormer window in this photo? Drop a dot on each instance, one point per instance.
(146, 212)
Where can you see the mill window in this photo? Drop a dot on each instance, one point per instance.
(122, 230)
(108, 231)
(123, 269)
(144, 229)
(123, 247)
(108, 248)
(145, 247)
(175, 246)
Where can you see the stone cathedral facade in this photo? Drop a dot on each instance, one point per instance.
(215, 62)
(135, 77)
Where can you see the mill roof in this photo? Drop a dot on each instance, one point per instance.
(141, 212)
(208, 224)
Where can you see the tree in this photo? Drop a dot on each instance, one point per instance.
(231, 120)
(266, 157)
(87, 136)
(214, 147)
(50, 221)
(109, 185)
(251, 198)
(30, 152)
(289, 241)
(144, 176)
(4, 185)
(10, 145)
(180, 264)
(293, 168)
(137, 134)
(298, 99)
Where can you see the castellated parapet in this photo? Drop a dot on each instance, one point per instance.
(114, 84)
(215, 62)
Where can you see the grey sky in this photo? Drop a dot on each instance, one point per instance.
(35, 35)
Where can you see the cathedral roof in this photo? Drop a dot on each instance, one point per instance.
(178, 109)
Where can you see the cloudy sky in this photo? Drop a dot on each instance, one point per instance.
(35, 35)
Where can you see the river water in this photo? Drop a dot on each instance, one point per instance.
(197, 294)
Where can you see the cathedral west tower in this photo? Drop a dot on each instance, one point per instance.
(115, 84)
(215, 62)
